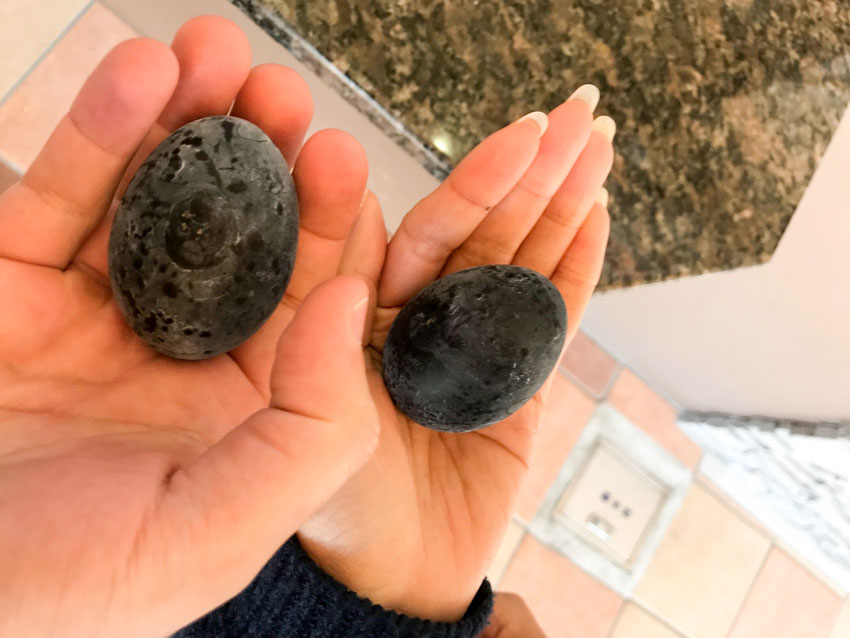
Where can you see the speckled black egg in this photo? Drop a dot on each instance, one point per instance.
(203, 243)
(473, 347)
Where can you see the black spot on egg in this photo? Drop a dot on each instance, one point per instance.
(473, 347)
(191, 219)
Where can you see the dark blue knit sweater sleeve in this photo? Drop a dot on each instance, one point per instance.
(292, 596)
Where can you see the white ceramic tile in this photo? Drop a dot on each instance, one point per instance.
(27, 29)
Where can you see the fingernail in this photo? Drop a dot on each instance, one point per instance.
(602, 197)
(358, 319)
(539, 118)
(587, 93)
(605, 125)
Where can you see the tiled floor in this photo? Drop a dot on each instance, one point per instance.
(567, 412)
(27, 29)
(7, 177)
(786, 601)
(31, 113)
(511, 540)
(635, 622)
(702, 570)
(589, 365)
(565, 600)
(650, 412)
(842, 625)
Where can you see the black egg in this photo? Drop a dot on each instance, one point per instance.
(473, 347)
(204, 240)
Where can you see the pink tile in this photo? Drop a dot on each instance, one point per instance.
(32, 112)
(567, 412)
(787, 601)
(647, 410)
(7, 177)
(589, 364)
(564, 600)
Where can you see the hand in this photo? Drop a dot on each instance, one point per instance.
(511, 619)
(416, 528)
(138, 492)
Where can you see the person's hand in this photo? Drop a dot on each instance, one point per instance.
(511, 618)
(136, 491)
(416, 528)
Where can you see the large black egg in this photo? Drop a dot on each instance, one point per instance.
(204, 240)
(473, 347)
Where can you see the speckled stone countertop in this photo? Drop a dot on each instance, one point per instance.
(724, 106)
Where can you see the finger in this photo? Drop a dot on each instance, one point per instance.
(441, 222)
(278, 100)
(214, 57)
(330, 177)
(544, 246)
(578, 271)
(501, 232)
(241, 499)
(363, 255)
(46, 216)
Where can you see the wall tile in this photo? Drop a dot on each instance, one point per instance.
(567, 411)
(650, 412)
(564, 600)
(35, 108)
(703, 568)
(27, 29)
(635, 622)
(787, 601)
(589, 364)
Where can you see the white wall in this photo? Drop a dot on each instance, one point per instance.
(772, 339)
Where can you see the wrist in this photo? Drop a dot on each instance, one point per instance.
(384, 581)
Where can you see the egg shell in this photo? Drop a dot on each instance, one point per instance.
(473, 347)
(203, 243)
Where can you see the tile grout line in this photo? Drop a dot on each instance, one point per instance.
(740, 610)
(666, 623)
(610, 632)
(45, 52)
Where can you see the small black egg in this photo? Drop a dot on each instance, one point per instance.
(473, 347)
(203, 243)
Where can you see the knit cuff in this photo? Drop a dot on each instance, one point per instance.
(292, 596)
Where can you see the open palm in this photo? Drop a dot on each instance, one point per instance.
(416, 528)
(123, 477)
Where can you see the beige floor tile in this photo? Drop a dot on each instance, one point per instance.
(703, 568)
(7, 177)
(564, 600)
(655, 416)
(787, 601)
(841, 629)
(589, 364)
(32, 112)
(635, 622)
(27, 29)
(567, 412)
(503, 557)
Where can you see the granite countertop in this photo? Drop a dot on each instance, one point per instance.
(723, 106)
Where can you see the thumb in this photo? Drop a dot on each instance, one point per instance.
(237, 503)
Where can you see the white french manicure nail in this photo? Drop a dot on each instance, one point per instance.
(539, 118)
(605, 125)
(587, 93)
(602, 197)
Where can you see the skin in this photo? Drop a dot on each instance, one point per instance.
(511, 619)
(139, 492)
